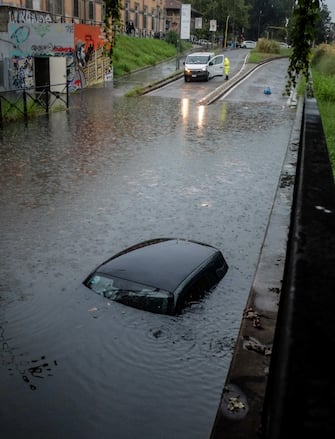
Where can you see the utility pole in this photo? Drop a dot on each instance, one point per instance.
(226, 33)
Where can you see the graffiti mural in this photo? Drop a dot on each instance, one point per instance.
(75, 75)
(26, 16)
(23, 72)
(33, 35)
(41, 39)
(87, 39)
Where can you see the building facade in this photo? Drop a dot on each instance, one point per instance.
(44, 42)
(152, 18)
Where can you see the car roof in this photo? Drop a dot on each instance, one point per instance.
(161, 263)
(201, 54)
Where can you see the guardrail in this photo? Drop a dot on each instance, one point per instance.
(20, 103)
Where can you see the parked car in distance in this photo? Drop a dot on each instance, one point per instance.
(203, 42)
(284, 45)
(161, 275)
(248, 44)
(202, 66)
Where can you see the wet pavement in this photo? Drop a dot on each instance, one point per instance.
(76, 188)
(146, 76)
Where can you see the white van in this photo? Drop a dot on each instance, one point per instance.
(203, 65)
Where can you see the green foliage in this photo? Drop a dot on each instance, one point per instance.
(268, 18)
(323, 72)
(172, 37)
(324, 87)
(268, 46)
(305, 17)
(11, 113)
(301, 87)
(112, 8)
(219, 10)
(323, 60)
(131, 53)
(327, 108)
(112, 23)
(266, 49)
(323, 25)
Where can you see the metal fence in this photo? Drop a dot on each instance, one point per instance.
(22, 103)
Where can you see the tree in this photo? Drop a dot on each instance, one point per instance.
(219, 10)
(111, 22)
(265, 15)
(323, 26)
(306, 16)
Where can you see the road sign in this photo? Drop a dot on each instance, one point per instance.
(185, 24)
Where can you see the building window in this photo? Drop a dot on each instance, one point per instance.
(76, 8)
(158, 15)
(153, 20)
(136, 16)
(91, 10)
(145, 13)
(55, 6)
(29, 4)
(126, 12)
(58, 7)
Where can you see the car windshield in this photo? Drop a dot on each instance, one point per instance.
(132, 293)
(197, 59)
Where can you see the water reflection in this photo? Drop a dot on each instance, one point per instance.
(187, 113)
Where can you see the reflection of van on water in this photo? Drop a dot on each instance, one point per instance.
(203, 66)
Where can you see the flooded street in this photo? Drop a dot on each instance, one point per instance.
(78, 187)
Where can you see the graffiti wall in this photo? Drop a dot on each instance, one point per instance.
(41, 39)
(33, 38)
(23, 72)
(87, 39)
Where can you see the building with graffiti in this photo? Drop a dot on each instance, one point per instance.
(54, 48)
(63, 41)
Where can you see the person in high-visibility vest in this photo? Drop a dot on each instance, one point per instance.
(226, 63)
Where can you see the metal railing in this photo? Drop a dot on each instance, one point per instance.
(22, 103)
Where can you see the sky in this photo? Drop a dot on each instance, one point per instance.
(331, 8)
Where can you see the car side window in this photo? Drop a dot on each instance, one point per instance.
(217, 60)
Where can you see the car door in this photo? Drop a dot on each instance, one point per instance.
(215, 66)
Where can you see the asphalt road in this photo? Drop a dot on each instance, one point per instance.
(196, 90)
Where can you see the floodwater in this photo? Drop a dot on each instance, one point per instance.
(78, 187)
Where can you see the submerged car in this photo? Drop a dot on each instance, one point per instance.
(161, 275)
(203, 66)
